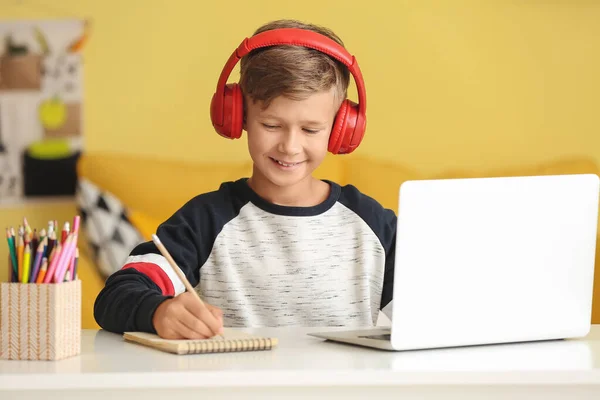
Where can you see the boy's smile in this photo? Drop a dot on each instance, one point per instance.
(285, 165)
(287, 141)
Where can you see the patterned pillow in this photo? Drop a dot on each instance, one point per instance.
(109, 232)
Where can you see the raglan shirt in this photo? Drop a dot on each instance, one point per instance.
(263, 264)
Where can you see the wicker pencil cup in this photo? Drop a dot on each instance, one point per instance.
(40, 321)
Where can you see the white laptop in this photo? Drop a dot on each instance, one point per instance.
(490, 260)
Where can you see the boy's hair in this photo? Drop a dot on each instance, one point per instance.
(292, 71)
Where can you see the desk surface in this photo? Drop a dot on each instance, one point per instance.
(107, 361)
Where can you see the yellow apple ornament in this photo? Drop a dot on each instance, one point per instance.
(53, 113)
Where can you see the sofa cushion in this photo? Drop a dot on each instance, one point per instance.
(379, 179)
(559, 167)
(153, 186)
(109, 234)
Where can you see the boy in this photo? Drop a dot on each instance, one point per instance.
(281, 247)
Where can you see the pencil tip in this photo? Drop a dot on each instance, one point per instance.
(155, 238)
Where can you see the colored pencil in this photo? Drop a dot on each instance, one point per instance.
(39, 256)
(65, 233)
(76, 222)
(51, 242)
(12, 253)
(26, 237)
(65, 257)
(26, 227)
(38, 260)
(20, 249)
(75, 262)
(43, 269)
(54, 257)
(42, 234)
(35, 240)
(26, 264)
(11, 272)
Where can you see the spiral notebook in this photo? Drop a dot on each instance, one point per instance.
(233, 341)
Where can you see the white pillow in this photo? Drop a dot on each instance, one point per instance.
(110, 234)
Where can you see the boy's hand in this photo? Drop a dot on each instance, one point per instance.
(183, 317)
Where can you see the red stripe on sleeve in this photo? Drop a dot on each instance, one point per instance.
(156, 274)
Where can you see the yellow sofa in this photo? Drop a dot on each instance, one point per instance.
(153, 189)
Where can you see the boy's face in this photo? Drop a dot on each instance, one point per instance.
(288, 140)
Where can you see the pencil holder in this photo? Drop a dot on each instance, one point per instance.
(40, 321)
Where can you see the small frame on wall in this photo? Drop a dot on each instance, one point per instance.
(41, 107)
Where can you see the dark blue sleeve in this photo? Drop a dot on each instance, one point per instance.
(131, 295)
(382, 222)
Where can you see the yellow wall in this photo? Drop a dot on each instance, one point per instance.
(482, 84)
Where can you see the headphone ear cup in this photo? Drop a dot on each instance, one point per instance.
(336, 132)
(237, 111)
(233, 112)
(346, 135)
(354, 130)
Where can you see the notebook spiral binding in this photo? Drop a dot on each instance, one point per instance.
(227, 345)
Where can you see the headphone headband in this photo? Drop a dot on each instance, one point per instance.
(293, 37)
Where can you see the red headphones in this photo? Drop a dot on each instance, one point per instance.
(226, 107)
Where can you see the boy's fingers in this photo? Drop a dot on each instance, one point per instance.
(192, 304)
(170, 334)
(216, 311)
(192, 328)
(203, 313)
(213, 322)
(218, 314)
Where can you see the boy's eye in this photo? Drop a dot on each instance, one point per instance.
(269, 126)
(311, 130)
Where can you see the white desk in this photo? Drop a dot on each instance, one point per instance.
(304, 367)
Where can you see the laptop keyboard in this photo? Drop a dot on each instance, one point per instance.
(377, 337)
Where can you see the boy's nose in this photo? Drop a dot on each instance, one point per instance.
(290, 143)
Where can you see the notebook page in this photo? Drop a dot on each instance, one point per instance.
(229, 334)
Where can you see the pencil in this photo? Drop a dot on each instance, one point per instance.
(65, 257)
(26, 264)
(54, 257)
(35, 240)
(12, 253)
(26, 237)
(76, 222)
(75, 262)
(43, 269)
(11, 271)
(35, 269)
(20, 249)
(65, 233)
(51, 242)
(42, 234)
(26, 226)
(176, 268)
